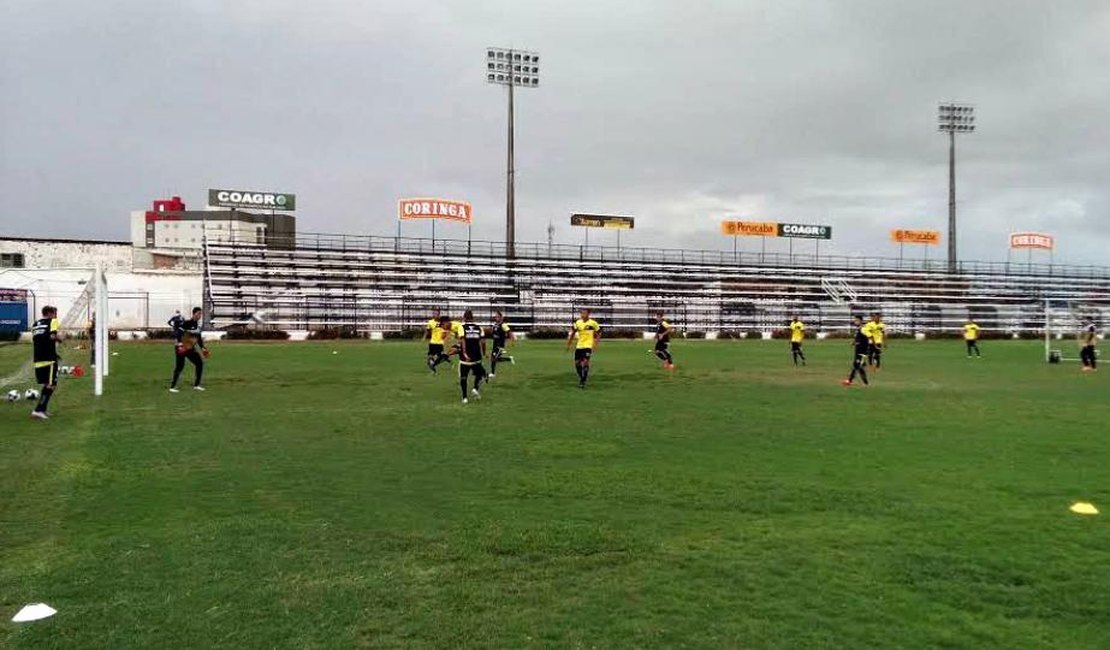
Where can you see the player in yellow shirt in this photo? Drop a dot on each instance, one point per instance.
(797, 336)
(876, 328)
(455, 329)
(971, 337)
(438, 331)
(434, 339)
(585, 335)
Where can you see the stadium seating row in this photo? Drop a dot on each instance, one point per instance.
(390, 285)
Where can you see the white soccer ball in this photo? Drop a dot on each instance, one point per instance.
(13, 396)
(30, 394)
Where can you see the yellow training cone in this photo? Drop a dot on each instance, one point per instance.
(1084, 508)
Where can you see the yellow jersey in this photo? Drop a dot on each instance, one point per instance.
(586, 329)
(457, 329)
(438, 334)
(971, 332)
(797, 331)
(878, 331)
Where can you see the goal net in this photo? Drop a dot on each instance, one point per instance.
(74, 325)
(1064, 322)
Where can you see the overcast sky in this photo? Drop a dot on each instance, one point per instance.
(682, 113)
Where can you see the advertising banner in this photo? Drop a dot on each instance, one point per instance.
(749, 228)
(603, 221)
(430, 208)
(1032, 240)
(804, 231)
(246, 200)
(928, 237)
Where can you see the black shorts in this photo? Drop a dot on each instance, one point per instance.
(498, 350)
(468, 367)
(435, 349)
(877, 347)
(661, 346)
(583, 354)
(795, 345)
(47, 375)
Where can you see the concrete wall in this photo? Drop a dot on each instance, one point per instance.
(60, 254)
(136, 299)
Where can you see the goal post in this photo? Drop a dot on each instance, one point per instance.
(1063, 323)
(100, 333)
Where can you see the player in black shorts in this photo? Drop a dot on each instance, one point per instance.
(861, 344)
(472, 349)
(1088, 340)
(45, 334)
(501, 334)
(663, 331)
(188, 340)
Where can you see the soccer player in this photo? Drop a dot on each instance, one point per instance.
(797, 335)
(588, 333)
(663, 331)
(45, 334)
(1088, 340)
(472, 348)
(861, 344)
(878, 334)
(188, 340)
(971, 337)
(90, 331)
(502, 335)
(435, 337)
(175, 322)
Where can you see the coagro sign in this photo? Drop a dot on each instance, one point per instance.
(246, 200)
(804, 231)
(428, 208)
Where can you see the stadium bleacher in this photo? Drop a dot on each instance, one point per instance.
(390, 284)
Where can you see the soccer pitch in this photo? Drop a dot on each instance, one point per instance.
(337, 495)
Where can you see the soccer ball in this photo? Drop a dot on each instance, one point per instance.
(30, 394)
(65, 371)
(13, 396)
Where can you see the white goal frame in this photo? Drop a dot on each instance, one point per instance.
(1063, 324)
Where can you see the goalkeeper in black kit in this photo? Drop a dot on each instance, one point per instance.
(502, 335)
(189, 340)
(861, 344)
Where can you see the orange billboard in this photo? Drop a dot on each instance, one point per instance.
(428, 208)
(930, 237)
(1032, 240)
(750, 228)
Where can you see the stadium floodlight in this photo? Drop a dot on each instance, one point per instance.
(512, 69)
(953, 118)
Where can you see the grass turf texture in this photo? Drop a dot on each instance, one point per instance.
(312, 499)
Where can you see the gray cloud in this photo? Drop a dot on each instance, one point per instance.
(680, 113)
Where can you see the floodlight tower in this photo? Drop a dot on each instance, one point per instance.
(511, 68)
(952, 119)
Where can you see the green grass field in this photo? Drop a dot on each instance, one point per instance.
(320, 500)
